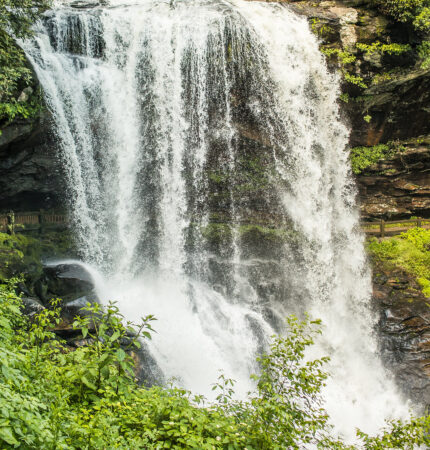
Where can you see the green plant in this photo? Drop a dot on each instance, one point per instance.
(416, 12)
(409, 251)
(87, 397)
(16, 18)
(345, 59)
(378, 47)
(363, 157)
(424, 54)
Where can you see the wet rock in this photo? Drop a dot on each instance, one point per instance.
(398, 186)
(404, 328)
(147, 371)
(70, 282)
(27, 154)
(398, 109)
(85, 4)
(32, 306)
(74, 308)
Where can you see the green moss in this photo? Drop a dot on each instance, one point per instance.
(217, 232)
(410, 251)
(218, 177)
(265, 233)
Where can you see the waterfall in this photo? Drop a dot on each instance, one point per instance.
(208, 181)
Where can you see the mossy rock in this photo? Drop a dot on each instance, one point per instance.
(22, 254)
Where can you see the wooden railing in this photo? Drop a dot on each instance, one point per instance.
(384, 228)
(13, 222)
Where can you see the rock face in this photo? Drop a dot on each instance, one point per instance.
(399, 109)
(398, 187)
(405, 330)
(27, 156)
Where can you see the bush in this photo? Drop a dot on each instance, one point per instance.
(16, 18)
(55, 398)
(416, 12)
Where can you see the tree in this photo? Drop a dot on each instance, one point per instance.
(16, 19)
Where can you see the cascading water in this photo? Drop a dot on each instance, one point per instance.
(167, 116)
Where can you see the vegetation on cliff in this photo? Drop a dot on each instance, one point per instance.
(416, 12)
(409, 251)
(21, 253)
(16, 93)
(52, 397)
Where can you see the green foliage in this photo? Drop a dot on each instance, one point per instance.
(416, 12)
(54, 397)
(378, 47)
(410, 251)
(345, 59)
(321, 29)
(363, 157)
(424, 54)
(16, 18)
(21, 253)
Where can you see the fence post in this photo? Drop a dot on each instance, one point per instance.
(41, 221)
(419, 222)
(382, 227)
(11, 223)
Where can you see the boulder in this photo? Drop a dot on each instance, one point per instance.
(70, 282)
(32, 306)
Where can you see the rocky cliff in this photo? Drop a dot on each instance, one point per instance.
(30, 173)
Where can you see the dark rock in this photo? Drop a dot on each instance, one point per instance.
(147, 371)
(399, 186)
(27, 154)
(73, 309)
(399, 109)
(31, 306)
(66, 281)
(404, 328)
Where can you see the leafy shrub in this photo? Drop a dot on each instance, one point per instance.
(16, 18)
(54, 397)
(363, 157)
(416, 12)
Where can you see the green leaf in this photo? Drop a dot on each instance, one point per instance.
(120, 354)
(6, 433)
(88, 383)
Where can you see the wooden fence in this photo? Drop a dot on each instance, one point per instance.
(15, 222)
(384, 228)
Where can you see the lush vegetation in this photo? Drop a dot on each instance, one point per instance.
(409, 251)
(415, 12)
(363, 157)
(21, 253)
(55, 398)
(16, 95)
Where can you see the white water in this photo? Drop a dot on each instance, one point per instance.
(142, 96)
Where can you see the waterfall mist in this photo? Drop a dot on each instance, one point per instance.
(183, 125)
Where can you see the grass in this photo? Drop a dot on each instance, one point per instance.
(409, 251)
